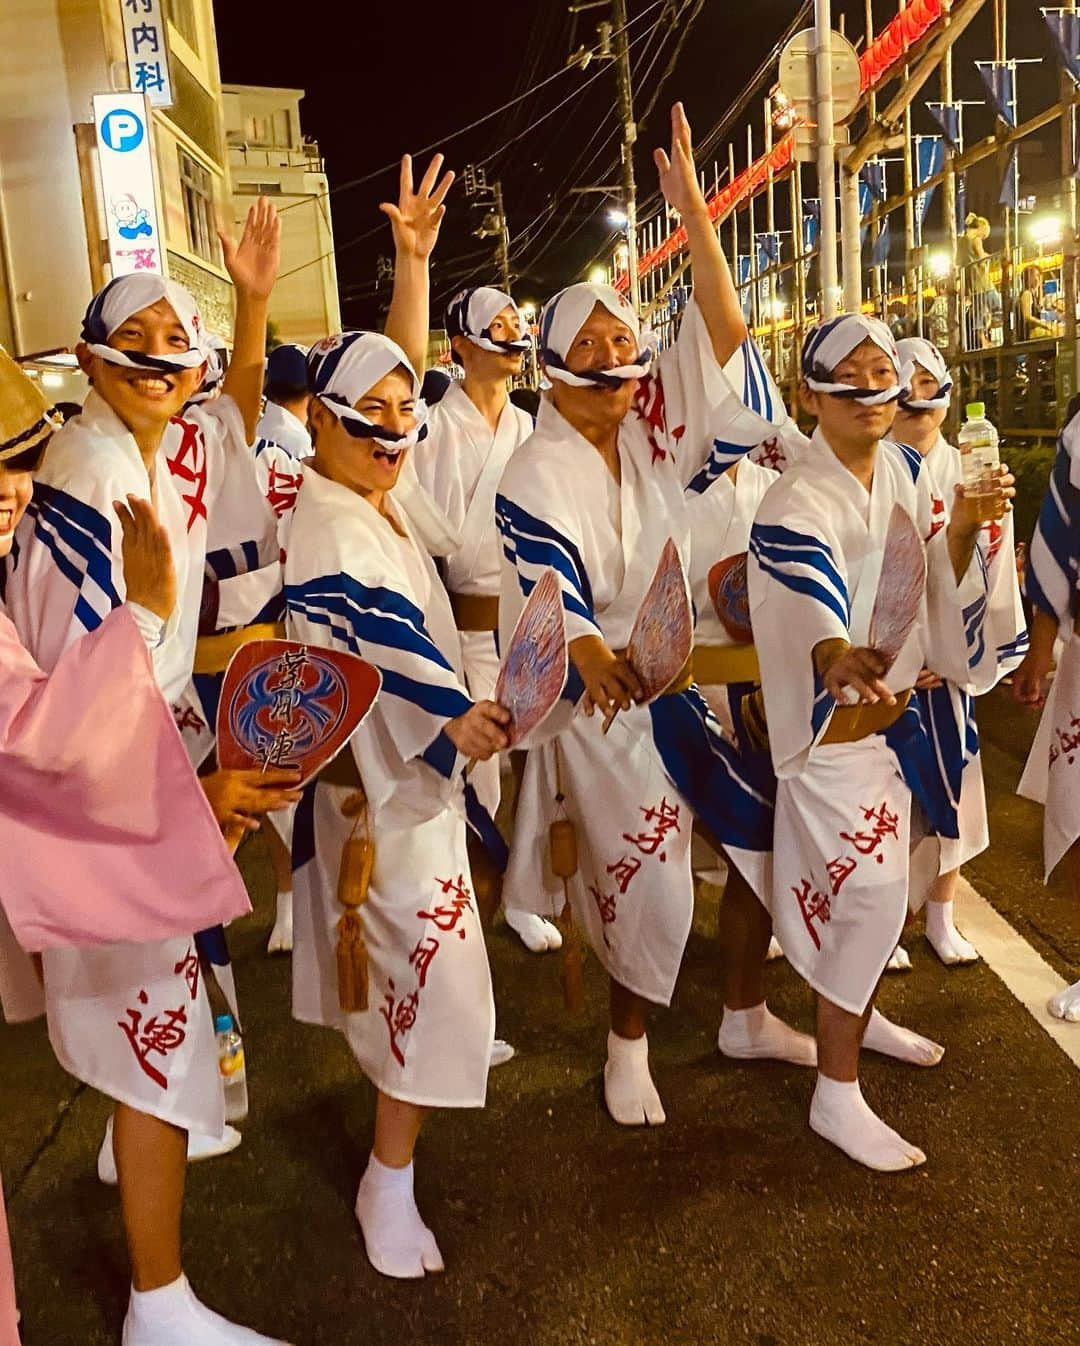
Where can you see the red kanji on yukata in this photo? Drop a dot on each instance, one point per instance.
(649, 405)
(421, 958)
(937, 516)
(400, 1015)
(188, 467)
(187, 718)
(839, 870)
(188, 967)
(770, 454)
(814, 906)
(665, 819)
(884, 824)
(995, 533)
(623, 871)
(446, 917)
(160, 1035)
(281, 489)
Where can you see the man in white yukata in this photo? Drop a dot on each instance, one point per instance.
(849, 751)
(472, 431)
(1052, 774)
(284, 418)
(948, 712)
(595, 494)
(134, 1021)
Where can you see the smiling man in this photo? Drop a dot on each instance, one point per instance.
(849, 751)
(134, 1020)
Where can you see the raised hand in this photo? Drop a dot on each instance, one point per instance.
(254, 262)
(419, 213)
(149, 573)
(678, 177)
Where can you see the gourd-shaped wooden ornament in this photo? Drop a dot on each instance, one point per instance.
(354, 879)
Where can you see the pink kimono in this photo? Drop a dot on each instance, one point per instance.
(105, 832)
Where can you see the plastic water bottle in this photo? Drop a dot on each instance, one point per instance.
(231, 1064)
(978, 444)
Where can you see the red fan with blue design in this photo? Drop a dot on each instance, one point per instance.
(731, 597)
(285, 704)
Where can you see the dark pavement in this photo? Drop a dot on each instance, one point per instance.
(732, 1224)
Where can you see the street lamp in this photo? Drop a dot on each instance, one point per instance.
(618, 218)
(598, 276)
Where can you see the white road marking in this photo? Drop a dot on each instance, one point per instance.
(1026, 973)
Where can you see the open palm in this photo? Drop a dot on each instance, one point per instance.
(253, 263)
(678, 178)
(419, 213)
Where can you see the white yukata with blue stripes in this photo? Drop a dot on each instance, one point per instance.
(559, 506)
(948, 711)
(840, 857)
(1052, 774)
(355, 582)
(106, 1004)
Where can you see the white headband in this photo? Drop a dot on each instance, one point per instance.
(125, 296)
(562, 319)
(344, 367)
(828, 344)
(917, 351)
(471, 313)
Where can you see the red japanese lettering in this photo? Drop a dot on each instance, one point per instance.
(421, 958)
(814, 906)
(665, 819)
(399, 1016)
(188, 466)
(623, 871)
(839, 870)
(446, 917)
(157, 1035)
(884, 824)
(188, 967)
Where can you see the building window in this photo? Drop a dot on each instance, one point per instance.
(258, 131)
(282, 130)
(196, 185)
(181, 14)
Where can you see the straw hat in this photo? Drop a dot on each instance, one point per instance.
(26, 419)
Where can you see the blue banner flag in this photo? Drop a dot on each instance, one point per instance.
(879, 255)
(1000, 80)
(1009, 195)
(947, 116)
(1065, 28)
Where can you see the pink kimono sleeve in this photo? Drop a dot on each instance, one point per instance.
(106, 833)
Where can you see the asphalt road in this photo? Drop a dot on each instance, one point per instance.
(732, 1224)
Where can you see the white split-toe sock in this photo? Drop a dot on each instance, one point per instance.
(538, 935)
(1066, 1004)
(397, 1240)
(198, 1147)
(774, 950)
(172, 1316)
(840, 1114)
(898, 960)
(757, 1034)
(945, 940)
(883, 1036)
(629, 1091)
(281, 936)
(501, 1052)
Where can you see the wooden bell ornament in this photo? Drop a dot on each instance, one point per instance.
(562, 845)
(354, 879)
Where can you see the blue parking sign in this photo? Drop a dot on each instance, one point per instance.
(122, 130)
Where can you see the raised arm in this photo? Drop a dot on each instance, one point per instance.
(253, 264)
(714, 290)
(415, 221)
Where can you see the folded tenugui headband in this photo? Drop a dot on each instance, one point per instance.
(125, 296)
(827, 345)
(342, 368)
(563, 318)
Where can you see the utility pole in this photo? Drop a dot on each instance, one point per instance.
(494, 224)
(614, 46)
(826, 155)
(629, 140)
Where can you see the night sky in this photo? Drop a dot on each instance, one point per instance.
(389, 76)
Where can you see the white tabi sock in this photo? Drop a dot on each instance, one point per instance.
(629, 1091)
(281, 936)
(538, 935)
(1066, 1004)
(172, 1316)
(840, 1114)
(501, 1052)
(945, 940)
(397, 1240)
(898, 960)
(883, 1036)
(774, 950)
(757, 1034)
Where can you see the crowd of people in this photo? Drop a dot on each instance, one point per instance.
(850, 599)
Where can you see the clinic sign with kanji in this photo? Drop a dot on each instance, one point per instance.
(147, 50)
(126, 155)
